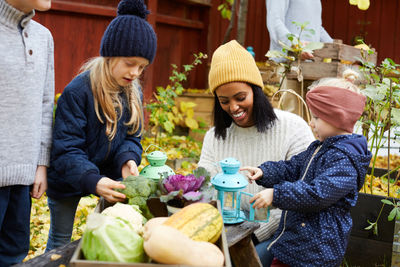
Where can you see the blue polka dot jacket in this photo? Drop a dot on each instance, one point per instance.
(316, 222)
(81, 153)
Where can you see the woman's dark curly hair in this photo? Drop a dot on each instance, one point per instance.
(263, 114)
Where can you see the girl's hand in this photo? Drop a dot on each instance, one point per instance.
(40, 182)
(129, 168)
(105, 188)
(263, 199)
(254, 173)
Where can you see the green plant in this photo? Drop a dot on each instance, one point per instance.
(291, 54)
(225, 9)
(164, 114)
(380, 117)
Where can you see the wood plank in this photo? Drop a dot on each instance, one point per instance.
(316, 70)
(179, 22)
(83, 8)
(236, 232)
(196, 2)
(65, 252)
(330, 50)
(350, 53)
(244, 254)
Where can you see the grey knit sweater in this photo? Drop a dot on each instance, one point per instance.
(289, 136)
(26, 95)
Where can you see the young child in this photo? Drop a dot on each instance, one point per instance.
(317, 187)
(26, 108)
(97, 130)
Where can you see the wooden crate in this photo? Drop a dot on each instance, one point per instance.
(158, 209)
(204, 105)
(342, 57)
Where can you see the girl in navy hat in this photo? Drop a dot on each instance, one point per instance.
(98, 123)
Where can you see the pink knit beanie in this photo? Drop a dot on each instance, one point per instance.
(337, 106)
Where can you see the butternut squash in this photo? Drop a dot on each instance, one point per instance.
(168, 245)
(199, 221)
(151, 224)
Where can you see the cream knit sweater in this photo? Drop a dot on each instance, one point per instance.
(289, 136)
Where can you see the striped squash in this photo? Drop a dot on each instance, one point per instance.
(198, 221)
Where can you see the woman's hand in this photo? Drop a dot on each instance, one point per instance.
(105, 188)
(40, 182)
(263, 199)
(254, 173)
(129, 168)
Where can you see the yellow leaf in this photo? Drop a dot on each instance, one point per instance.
(353, 2)
(363, 4)
(55, 257)
(170, 116)
(175, 110)
(190, 113)
(191, 123)
(187, 105)
(191, 104)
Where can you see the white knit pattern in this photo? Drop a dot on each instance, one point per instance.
(289, 136)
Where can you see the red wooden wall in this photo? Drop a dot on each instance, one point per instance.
(185, 27)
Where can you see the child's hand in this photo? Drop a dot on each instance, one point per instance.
(263, 199)
(40, 182)
(254, 173)
(129, 168)
(105, 188)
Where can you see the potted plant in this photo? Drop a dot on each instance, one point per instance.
(178, 190)
(369, 245)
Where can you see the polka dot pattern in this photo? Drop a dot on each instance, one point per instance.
(316, 222)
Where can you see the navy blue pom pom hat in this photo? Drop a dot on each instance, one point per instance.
(129, 34)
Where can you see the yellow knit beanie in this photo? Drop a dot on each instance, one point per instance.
(231, 62)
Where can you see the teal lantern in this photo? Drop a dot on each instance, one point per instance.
(229, 185)
(157, 167)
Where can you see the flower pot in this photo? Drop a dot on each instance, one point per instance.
(364, 247)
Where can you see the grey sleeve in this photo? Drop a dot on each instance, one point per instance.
(276, 13)
(47, 107)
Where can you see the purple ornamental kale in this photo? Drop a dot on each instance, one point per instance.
(185, 187)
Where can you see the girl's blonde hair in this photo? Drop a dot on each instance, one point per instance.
(106, 95)
(348, 81)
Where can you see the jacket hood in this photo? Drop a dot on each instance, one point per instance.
(355, 146)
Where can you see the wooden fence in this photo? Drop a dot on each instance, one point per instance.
(185, 27)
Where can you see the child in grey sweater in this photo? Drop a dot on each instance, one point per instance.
(26, 108)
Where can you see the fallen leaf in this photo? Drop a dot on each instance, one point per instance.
(55, 257)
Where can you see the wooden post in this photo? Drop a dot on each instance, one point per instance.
(396, 245)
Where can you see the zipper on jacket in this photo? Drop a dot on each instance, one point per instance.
(302, 178)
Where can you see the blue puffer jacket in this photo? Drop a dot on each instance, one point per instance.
(81, 153)
(316, 222)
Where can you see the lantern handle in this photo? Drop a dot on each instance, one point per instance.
(251, 210)
(154, 146)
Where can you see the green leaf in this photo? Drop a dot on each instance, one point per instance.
(168, 126)
(284, 46)
(392, 214)
(387, 202)
(396, 116)
(275, 54)
(313, 46)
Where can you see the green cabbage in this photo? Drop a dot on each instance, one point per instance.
(111, 239)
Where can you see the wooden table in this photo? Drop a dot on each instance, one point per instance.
(241, 249)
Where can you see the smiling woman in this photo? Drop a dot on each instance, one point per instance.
(236, 99)
(246, 126)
